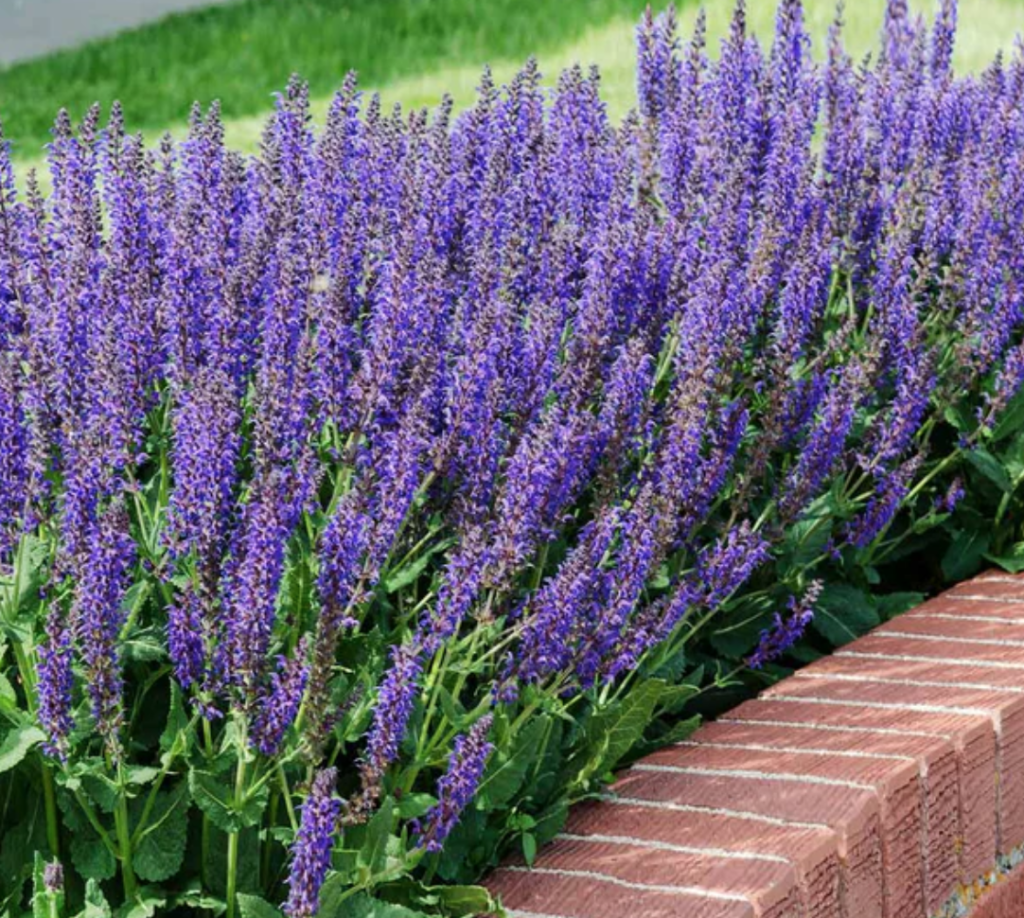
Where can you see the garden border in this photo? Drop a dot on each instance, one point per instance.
(880, 782)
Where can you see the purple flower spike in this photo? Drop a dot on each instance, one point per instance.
(311, 850)
(394, 707)
(56, 681)
(786, 632)
(456, 789)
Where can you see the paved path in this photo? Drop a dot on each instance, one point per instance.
(32, 27)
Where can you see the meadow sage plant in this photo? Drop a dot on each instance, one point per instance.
(365, 502)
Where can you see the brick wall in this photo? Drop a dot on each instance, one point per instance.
(877, 783)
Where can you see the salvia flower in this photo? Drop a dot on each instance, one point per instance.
(458, 785)
(775, 641)
(311, 850)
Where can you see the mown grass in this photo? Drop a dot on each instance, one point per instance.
(411, 50)
(243, 52)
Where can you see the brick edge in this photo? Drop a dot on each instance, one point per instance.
(878, 782)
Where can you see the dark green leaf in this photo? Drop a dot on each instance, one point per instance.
(216, 798)
(92, 859)
(358, 906)
(412, 806)
(374, 851)
(843, 613)
(1012, 418)
(893, 604)
(964, 556)
(161, 849)
(505, 773)
(991, 468)
(529, 848)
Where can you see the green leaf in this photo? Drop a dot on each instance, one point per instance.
(412, 806)
(680, 731)
(148, 901)
(215, 798)
(177, 719)
(892, 604)
(18, 744)
(843, 613)
(358, 906)
(959, 417)
(255, 907)
(412, 571)
(1012, 418)
(991, 468)
(7, 692)
(529, 848)
(42, 898)
(374, 851)
(505, 773)
(460, 901)
(674, 697)
(96, 905)
(18, 843)
(161, 850)
(92, 859)
(964, 556)
(613, 731)
(1013, 561)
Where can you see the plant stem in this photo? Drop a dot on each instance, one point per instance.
(232, 877)
(286, 792)
(50, 802)
(204, 877)
(124, 840)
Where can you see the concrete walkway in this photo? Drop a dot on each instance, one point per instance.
(29, 28)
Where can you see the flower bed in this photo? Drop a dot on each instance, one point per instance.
(365, 503)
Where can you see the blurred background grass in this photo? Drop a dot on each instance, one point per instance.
(410, 50)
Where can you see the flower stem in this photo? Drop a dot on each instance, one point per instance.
(232, 877)
(124, 842)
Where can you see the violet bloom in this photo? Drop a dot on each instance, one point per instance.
(456, 788)
(391, 714)
(948, 502)
(311, 850)
(97, 616)
(279, 701)
(54, 686)
(785, 633)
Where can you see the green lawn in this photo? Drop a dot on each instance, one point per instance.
(412, 50)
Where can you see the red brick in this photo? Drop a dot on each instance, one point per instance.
(968, 627)
(990, 588)
(769, 886)
(968, 608)
(937, 763)
(869, 784)
(853, 814)
(1005, 709)
(538, 893)
(811, 853)
(952, 652)
(973, 735)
